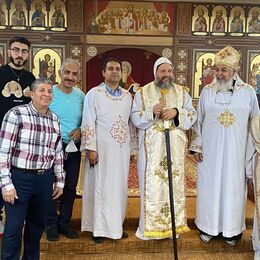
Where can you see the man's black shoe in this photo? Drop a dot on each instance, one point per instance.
(69, 233)
(98, 240)
(52, 233)
(125, 235)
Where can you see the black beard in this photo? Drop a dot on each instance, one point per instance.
(17, 64)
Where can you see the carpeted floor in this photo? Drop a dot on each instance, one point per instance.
(189, 245)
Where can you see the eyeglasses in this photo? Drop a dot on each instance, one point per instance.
(18, 50)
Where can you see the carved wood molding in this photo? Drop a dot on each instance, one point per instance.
(75, 15)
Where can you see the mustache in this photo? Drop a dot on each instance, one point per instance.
(69, 80)
(166, 77)
(12, 60)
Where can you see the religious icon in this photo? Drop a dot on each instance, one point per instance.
(1, 58)
(200, 20)
(3, 15)
(47, 68)
(127, 81)
(203, 71)
(19, 15)
(164, 21)
(57, 18)
(102, 21)
(253, 26)
(207, 73)
(2, 51)
(219, 21)
(93, 24)
(131, 18)
(254, 72)
(38, 16)
(46, 63)
(237, 21)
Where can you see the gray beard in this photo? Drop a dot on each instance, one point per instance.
(161, 84)
(223, 85)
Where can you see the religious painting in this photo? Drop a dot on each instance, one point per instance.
(200, 20)
(2, 54)
(127, 81)
(46, 62)
(237, 21)
(18, 15)
(129, 17)
(58, 16)
(38, 15)
(3, 15)
(253, 22)
(203, 71)
(218, 25)
(254, 71)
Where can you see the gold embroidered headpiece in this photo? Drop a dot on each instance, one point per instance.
(228, 56)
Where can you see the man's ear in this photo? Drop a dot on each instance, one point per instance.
(59, 72)
(31, 94)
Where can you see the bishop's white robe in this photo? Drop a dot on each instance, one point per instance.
(222, 136)
(105, 130)
(155, 218)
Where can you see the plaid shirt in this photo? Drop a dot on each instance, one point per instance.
(30, 140)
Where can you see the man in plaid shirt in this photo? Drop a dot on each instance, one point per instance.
(31, 160)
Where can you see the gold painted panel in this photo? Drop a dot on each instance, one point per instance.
(18, 15)
(38, 15)
(46, 62)
(203, 71)
(253, 24)
(2, 53)
(3, 15)
(218, 25)
(58, 16)
(237, 21)
(254, 69)
(200, 20)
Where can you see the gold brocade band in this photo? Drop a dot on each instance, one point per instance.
(167, 233)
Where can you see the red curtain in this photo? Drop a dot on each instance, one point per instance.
(142, 65)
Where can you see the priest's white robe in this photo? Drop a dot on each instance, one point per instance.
(155, 219)
(255, 130)
(105, 130)
(222, 136)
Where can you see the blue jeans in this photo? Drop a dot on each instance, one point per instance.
(1, 206)
(29, 211)
(71, 167)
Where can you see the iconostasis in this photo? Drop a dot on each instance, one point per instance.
(137, 32)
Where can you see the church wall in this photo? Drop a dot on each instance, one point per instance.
(187, 33)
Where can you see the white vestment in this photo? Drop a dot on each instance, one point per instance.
(222, 136)
(105, 130)
(155, 218)
(255, 130)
